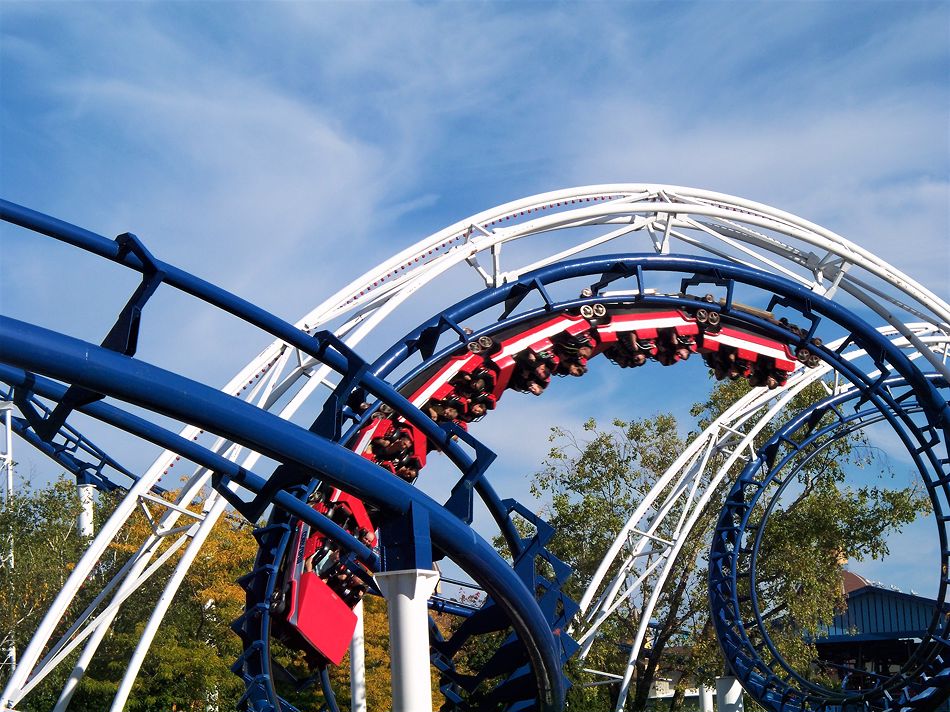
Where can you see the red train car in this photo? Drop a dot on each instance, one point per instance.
(317, 593)
(318, 597)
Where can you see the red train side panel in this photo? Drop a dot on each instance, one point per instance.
(322, 618)
(357, 507)
(750, 347)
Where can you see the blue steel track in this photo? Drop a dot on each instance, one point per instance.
(924, 680)
(31, 355)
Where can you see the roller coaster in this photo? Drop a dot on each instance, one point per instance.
(326, 451)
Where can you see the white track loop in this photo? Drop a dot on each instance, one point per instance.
(639, 560)
(669, 219)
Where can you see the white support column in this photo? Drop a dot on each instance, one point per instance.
(358, 664)
(406, 593)
(626, 679)
(6, 555)
(6, 457)
(728, 694)
(87, 494)
(705, 699)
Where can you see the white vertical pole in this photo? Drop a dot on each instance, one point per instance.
(626, 680)
(705, 699)
(86, 501)
(213, 508)
(358, 664)
(728, 694)
(406, 593)
(7, 456)
(6, 557)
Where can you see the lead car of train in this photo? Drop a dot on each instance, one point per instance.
(320, 585)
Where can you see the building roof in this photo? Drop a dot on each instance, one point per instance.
(853, 581)
(878, 613)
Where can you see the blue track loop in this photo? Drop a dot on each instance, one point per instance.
(924, 680)
(879, 391)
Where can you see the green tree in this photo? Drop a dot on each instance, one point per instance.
(594, 481)
(188, 666)
(41, 525)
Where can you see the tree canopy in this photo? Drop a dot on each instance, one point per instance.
(188, 665)
(593, 481)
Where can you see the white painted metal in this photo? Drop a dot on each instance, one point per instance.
(16, 685)
(87, 498)
(7, 558)
(164, 602)
(358, 664)
(131, 578)
(95, 630)
(407, 595)
(728, 694)
(669, 218)
(6, 457)
(705, 699)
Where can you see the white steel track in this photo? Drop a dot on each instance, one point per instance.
(555, 226)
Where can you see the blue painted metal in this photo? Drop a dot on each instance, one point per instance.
(532, 661)
(129, 252)
(405, 542)
(106, 372)
(70, 450)
(452, 607)
(328, 690)
(751, 653)
(226, 470)
(122, 337)
(322, 346)
(323, 351)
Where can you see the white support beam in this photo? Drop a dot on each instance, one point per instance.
(358, 664)
(87, 501)
(7, 558)
(407, 593)
(728, 694)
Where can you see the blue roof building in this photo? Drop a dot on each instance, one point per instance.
(876, 634)
(878, 613)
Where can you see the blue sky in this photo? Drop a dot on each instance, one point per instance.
(280, 149)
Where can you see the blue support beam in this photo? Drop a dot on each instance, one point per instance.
(74, 361)
(108, 370)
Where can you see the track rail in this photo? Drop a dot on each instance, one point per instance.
(289, 373)
(922, 681)
(627, 575)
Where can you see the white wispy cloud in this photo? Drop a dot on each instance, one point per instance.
(280, 150)
(769, 107)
